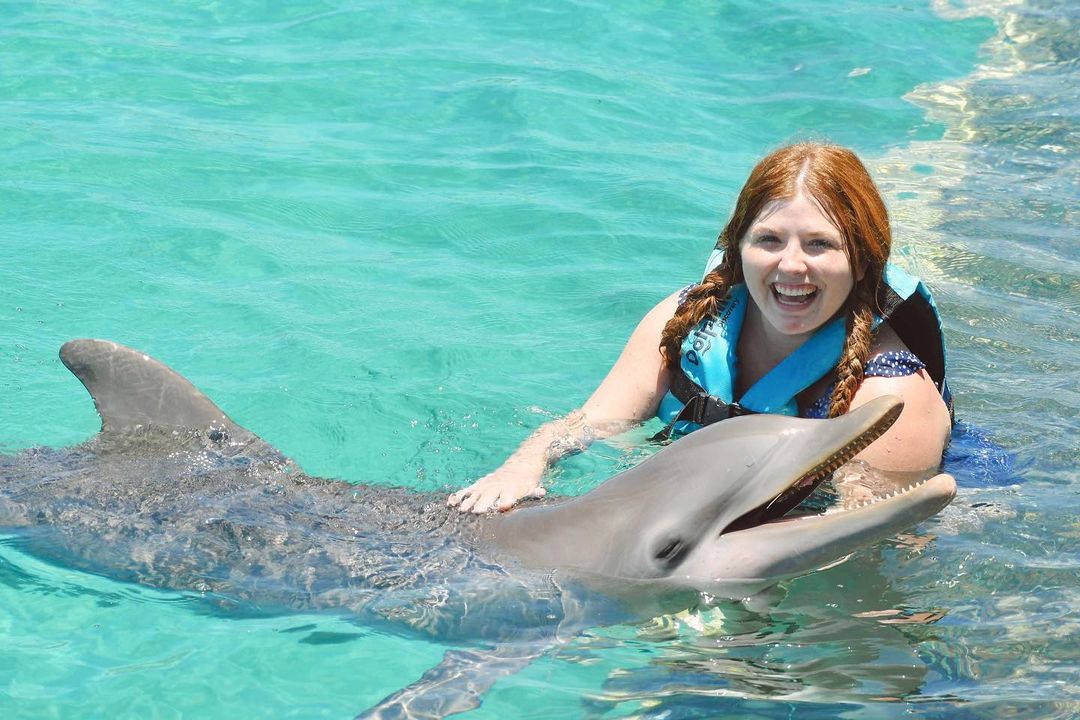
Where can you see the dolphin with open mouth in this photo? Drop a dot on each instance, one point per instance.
(173, 494)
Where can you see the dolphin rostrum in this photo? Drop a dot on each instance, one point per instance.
(173, 494)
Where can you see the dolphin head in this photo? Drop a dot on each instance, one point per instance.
(740, 562)
(707, 512)
(765, 544)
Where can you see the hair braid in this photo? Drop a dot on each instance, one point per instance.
(852, 365)
(703, 300)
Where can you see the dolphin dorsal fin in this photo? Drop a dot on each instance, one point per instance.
(132, 390)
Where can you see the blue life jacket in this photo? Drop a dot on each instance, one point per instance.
(704, 392)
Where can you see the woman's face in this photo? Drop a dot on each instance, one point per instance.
(796, 266)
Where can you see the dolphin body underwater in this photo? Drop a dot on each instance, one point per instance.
(173, 494)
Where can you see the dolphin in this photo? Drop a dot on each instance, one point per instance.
(174, 494)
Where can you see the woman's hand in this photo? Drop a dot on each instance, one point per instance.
(499, 490)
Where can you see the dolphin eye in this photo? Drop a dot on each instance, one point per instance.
(671, 551)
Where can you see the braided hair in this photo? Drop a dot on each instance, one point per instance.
(838, 181)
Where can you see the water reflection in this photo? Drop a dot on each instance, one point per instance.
(841, 637)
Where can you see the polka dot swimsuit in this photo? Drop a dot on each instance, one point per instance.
(684, 292)
(896, 363)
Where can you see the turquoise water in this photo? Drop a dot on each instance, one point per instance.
(392, 239)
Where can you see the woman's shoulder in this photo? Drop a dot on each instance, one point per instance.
(891, 357)
(887, 340)
(665, 309)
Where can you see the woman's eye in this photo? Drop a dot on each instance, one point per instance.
(767, 239)
(823, 244)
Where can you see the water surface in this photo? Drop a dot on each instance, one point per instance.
(392, 239)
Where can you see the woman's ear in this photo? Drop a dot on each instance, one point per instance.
(860, 272)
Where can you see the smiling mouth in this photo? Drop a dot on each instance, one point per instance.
(793, 295)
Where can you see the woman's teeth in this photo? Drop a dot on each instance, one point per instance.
(794, 294)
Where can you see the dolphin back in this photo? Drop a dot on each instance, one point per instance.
(132, 391)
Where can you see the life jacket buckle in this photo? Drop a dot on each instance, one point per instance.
(702, 409)
(707, 409)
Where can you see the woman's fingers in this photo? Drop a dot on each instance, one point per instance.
(467, 497)
(485, 495)
(473, 499)
(470, 500)
(480, 502)
(508, 500)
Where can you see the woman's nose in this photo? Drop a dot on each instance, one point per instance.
(792, 259)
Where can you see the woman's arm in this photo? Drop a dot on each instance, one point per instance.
(916, 440)
(630, 393)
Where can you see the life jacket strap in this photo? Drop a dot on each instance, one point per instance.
(699, 407)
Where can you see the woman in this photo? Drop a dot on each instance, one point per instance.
(799, 315)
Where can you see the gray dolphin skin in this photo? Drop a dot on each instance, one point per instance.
(173, 494)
